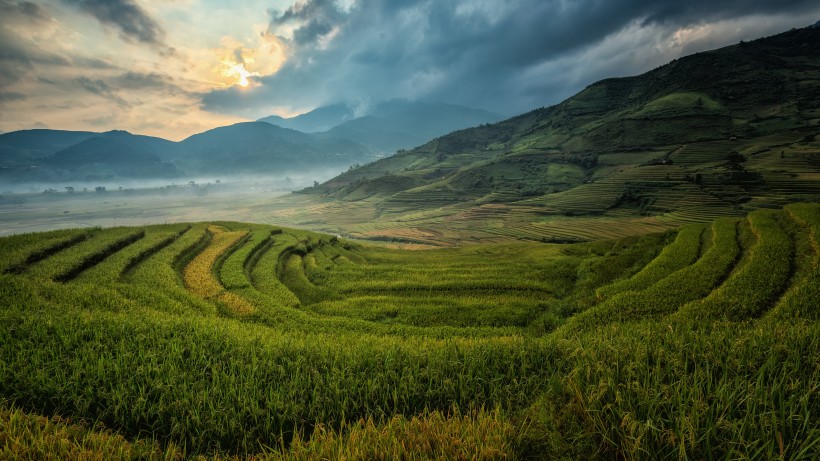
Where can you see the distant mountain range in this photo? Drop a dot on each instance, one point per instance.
(317, 120)
(326, 138)
(389, 126)
(51, 156)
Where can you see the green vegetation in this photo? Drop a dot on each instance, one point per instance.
(232, 340)
(682, 253)
(699, 138)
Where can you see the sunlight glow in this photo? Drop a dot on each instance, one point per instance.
(240, 61)
(238, 72)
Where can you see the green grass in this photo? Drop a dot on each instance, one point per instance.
(683, 252)
(678, 105)
(21, 251)
(669, 293)
(229, 339)
(754, 287)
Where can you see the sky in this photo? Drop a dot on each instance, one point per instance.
(173, 68)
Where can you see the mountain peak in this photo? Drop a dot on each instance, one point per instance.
(117, 133)
(320, 119)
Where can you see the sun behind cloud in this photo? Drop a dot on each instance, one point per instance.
(241, 75)
(240, 62)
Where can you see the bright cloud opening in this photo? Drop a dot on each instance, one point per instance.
(241, 75)
(240, 62)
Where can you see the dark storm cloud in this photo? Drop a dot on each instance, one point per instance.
(8, 96)
(100, 88)
(126, 15)
(317, 19)
(501, 56)
(18, 55)
(29, 9)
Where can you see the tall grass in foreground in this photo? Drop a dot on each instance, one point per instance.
(152, 362)
(737, 391)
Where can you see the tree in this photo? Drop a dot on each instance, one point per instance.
(735, 161)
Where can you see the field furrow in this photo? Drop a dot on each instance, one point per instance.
(199, 273)
(683, 252)
(754, 287)
(110, 270)
(668, 294)
(21, 251)
(264, 276)
(221, 338)
(157, 281)
(800, 301)
(69, 262)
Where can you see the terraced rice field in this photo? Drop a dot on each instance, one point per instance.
(227, 340)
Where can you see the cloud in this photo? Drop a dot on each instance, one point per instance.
(177, 70)
(313, 20)
(7, 96)
(133, 80)
(126, 15)
(100, 88)
(475, 52)
(17, 56)
(28, 9)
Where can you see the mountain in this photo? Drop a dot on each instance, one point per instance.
(49, 156)
(21, 148)
(259, 147)
(716, 133)
(320, 119)
(397, 125)
(114, 154)
(389, 126)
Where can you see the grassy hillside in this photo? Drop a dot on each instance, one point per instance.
(227, 339)
(718, 133)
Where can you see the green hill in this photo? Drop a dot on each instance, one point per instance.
(228, 339)
(717, 133)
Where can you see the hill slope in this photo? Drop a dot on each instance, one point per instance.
(703, 136)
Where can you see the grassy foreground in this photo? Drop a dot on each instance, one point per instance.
(229, 340)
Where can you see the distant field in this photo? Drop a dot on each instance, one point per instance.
(228, 339)
(133, 207)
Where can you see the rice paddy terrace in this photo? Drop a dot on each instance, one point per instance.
(715, 134)
(226, 339)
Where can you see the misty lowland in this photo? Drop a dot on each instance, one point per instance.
(630, 271)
